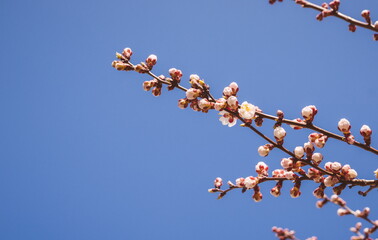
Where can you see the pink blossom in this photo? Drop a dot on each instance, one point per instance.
(127, 52)
(235, 88)
(183, 103)
(176, 74)
(295, 127)
(227, 91)
(247, 110)
(365, 131)
(278, 173)
(151, 60)
(204, 104)
(333, 166)
(232, 102)
(227, 119)
(290, 175)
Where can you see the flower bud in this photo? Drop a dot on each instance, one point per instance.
(257, 196)
(344, 126)
(365, 131)
(366, 14)
(250, 182)
(240, 182)
(156, 91)
(295, 127)
(295, 191)
(352, 27)
(232, 102)
(330, 181)
(218, 182)
(333, 166)
(279, 133)
(204, 104)
(290, 175)
(319, 192)
(220, 104)
(151, 60)
(342, 212)
(317, 158)
(183, 103)
(287, 163)
(235, 88)
(227, 91)
(278, 173)
(192, 93)
(262, 169)
(127, 52)
(299, 152)
(175, 74)
(350, 139)
(263, 151)
(309, 112)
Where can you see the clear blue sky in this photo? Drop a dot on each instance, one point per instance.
(87, 154)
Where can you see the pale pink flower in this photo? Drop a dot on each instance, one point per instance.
(227, 119)
(250, 182)
(247, 110)
(344, 125)
(299, 152)
(220, 104)
(279, 133)
(263, 151)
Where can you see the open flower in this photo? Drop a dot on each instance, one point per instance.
(247, 110)
(227, 119)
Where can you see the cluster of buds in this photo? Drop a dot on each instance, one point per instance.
(123, 63)
(283, 234)
(147, 65)
(328, 9)
(318, 139)
(197, 90)
(155, 85)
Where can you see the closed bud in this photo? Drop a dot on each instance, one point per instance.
(235, 88)
(279, 133)
(183, 103)
(240, 182)
(227, 91)
(342, 212)
(127, 52)
(218, 182)
(299, 152)
(156, 91)
(295, 127)
(220, 104)
(151, 60)
(257, 196)
(250, 182)
(263, 151)
(317, 158)
(309, 112)
(365, 131)
(344, 126)
(204, 104)
(352, 27)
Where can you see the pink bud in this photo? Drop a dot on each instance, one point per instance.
(232, 102)
(240, 182)
(295, 192)
(250, 182)
(204, 104)
(365, 13)
(127, 52)
(344, 125)
(350, 139)
(175, 74)
(156, 91)
(366, 131)
(262, 169)
(342, 212)
(309, 112)
(218, 182)
(319, 192)
(317, 158)
(352, 27)
(280, 173)
(330, 181)
(257, 196)
(151, 60)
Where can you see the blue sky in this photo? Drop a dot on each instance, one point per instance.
(87, 154)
